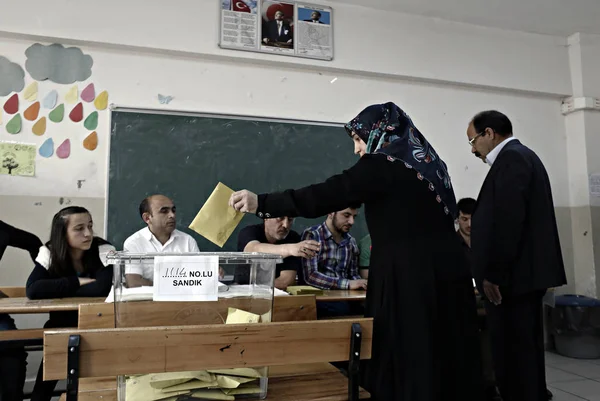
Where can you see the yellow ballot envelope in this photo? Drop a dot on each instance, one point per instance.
(217, 220)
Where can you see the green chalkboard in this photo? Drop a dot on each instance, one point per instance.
(185, 156)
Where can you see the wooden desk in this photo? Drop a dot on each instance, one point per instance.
(25, 305)
(28, 306)
(342, 295)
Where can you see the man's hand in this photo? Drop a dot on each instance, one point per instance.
(289, 41)
(304, 249)
(85, 280)
(244, 201)
(492, 292)
(266, 40)
(358, 284)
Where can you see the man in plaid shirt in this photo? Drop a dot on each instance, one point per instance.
(335, 267)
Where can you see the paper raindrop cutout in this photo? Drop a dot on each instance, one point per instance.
(64, 150)
(72, 94)
(12, 104)
(101, 101)
(91, 142)
(89, 93)
(50, 100)
(47, 148)
(32, 112)
(57, 114)
(91, 122)
(14, 125)
(76, 115)
(30, 93)
(39, 128)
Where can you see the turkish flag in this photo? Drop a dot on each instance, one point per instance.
(240, 6)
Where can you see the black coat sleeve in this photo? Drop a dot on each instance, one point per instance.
(100, 287)
(511, 191)
(366, 180)
(41, 286)
(12, 236)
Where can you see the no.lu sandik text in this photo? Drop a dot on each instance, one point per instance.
(193, 278)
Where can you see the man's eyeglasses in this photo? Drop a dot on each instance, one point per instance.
(472, 140)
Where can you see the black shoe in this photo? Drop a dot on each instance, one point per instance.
(549, 394)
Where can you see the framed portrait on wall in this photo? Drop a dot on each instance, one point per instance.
(277, 27)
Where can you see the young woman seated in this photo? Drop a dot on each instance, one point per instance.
(71, 264)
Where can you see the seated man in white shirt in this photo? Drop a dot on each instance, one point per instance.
(158, 212)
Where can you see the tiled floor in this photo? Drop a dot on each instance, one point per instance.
(573, 379)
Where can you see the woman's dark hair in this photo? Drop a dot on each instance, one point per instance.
(61, 263)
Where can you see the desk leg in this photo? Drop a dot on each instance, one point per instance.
(354, 362)
(73, 368)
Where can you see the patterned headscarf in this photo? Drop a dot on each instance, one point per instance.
(386, 129)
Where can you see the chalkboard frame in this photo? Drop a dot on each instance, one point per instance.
(194, 114)
(188, 113)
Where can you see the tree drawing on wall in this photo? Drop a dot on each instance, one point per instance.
(10, 163)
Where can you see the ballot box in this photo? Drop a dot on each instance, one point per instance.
(181, 289)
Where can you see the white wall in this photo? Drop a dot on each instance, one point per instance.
(442, 112)
(441, 73)
(366, 41)
(176, 54)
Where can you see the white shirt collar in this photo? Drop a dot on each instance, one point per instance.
(491, 157)
(150, 237)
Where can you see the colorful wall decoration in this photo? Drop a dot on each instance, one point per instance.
(31, 109)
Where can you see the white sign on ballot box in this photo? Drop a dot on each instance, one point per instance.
(186, 278)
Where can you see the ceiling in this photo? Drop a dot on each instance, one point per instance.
(550, 17)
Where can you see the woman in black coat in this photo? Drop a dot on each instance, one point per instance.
(420, 292)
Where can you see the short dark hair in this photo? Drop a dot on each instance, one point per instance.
(316, 12)
(145, 207)
(466, 205)
(493, 119)
(355, 205)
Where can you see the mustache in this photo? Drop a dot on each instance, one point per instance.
(478, 155)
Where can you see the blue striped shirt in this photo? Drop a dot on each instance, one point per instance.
(335, 264)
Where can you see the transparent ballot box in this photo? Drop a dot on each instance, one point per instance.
(169, 289)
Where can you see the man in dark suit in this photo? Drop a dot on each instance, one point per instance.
(315, 17)
(516, 254)
(277, 30)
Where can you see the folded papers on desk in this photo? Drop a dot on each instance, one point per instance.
(304, 290)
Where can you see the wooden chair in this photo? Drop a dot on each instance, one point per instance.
(13, 292)
(79, 354)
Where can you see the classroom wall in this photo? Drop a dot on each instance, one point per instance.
(441, 73)
(202, 77)
(367, 41)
